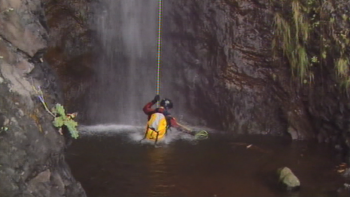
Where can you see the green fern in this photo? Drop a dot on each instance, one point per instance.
(58, 122)
(59, 109)
(63, 120)
(72, 127)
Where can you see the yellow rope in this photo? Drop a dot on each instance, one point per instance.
(159, 45)
(40, 95)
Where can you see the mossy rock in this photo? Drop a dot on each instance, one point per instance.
(287, 179)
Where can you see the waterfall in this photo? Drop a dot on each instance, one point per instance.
(127, 65)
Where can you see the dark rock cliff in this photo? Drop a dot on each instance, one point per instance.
(31, 150)
(218, 54)
(222, 53)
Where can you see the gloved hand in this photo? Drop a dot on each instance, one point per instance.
(156, 98)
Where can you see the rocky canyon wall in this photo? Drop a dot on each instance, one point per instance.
(31, 150)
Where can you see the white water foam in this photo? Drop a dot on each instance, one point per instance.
(133, 133)
(108, 128)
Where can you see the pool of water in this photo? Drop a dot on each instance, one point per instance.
(111, 164)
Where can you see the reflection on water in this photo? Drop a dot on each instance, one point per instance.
(158, 172)
(114, 165)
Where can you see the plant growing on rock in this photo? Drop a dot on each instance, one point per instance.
(7, 10)
(292, 32)
(313, 34)
(60, 117)
(65, 120)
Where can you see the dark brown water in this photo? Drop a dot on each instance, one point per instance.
(222, 166)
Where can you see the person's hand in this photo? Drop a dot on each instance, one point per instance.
(156, 98)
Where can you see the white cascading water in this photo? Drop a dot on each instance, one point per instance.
(127, 66)
(126, 72)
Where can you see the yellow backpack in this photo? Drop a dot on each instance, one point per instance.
(156, 127)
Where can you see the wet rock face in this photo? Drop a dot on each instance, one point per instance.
(218, 64)
(32, 152)
(218, 53)
(71, 49)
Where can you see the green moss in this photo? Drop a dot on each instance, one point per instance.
(296, 21)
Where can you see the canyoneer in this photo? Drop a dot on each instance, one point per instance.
(160, 120)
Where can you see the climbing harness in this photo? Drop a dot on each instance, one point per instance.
(159, 44)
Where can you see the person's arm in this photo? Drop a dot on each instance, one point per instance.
(175, 124)
(148, 107)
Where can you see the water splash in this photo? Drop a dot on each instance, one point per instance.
(133, 133)
(108, 128)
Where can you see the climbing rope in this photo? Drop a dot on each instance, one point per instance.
(198, 135)
(201, 135)
(159, 45)
(40, 95)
